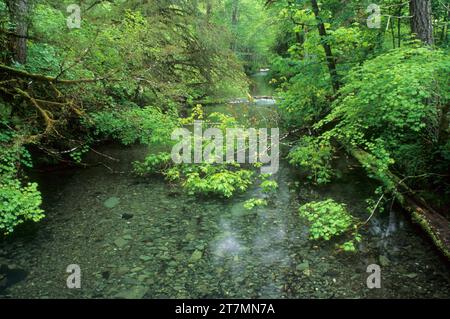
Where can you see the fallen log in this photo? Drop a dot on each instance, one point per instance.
(434, 224)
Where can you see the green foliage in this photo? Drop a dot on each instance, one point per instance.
(314, 155)
(200, 178)
(391, 104)
(18, 204)
(399, 86)
(350, 246)
(42, 58)
(77, 154)
(328, 219)
(390, 107)
(255, 202)
(148, 125)
(218, 180)
(269, 186)
(304, 96)
(250, 30)
(12, 155)
(154, 164)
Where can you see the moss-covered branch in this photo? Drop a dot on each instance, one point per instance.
(434, 224)
(46, 78)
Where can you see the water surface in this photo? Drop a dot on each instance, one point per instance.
(143, 238)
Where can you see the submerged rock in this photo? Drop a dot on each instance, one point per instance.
(196, 256)
(122, 270)
(303, 266)
(145, 258)
(137, 292)
(111, 202)
(120, 242)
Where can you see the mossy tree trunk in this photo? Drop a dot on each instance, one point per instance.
(433, 223)
(331, 62)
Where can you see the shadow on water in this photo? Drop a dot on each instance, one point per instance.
(143, 238)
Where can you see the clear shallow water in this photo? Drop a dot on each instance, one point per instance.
(155, 242)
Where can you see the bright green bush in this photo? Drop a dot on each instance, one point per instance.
(217, 179)
(154, 164)
(254, 202)
(147, 125)
(200, 178)
(391, 108)
(305, 95)
(315, 156)
(18, 203)
(328, 219)
(269, 186)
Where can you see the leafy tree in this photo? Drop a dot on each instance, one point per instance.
(125, 74)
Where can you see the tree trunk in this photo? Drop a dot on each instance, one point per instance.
(331, 63)
(19, 15)
(433, 223)
(209, 8)
(234, 23)
(399, 25)
(421, 22)
(443, 134)
(234, 13)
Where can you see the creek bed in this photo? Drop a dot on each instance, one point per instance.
(144, 238)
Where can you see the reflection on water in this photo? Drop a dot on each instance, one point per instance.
(227, 244)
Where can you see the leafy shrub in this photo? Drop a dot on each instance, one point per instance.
(269, 186)
(305, 99)
(349, 246)
(254, 202)
(78, 153)
(328, 219)
(391, 108)
(204, 178)
(148, 125)
(153, 164)
(219, 180)
(314, 155)
(18, 204)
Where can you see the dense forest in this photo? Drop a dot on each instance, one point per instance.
(364, 81)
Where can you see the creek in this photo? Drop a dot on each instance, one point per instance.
(137, 237)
